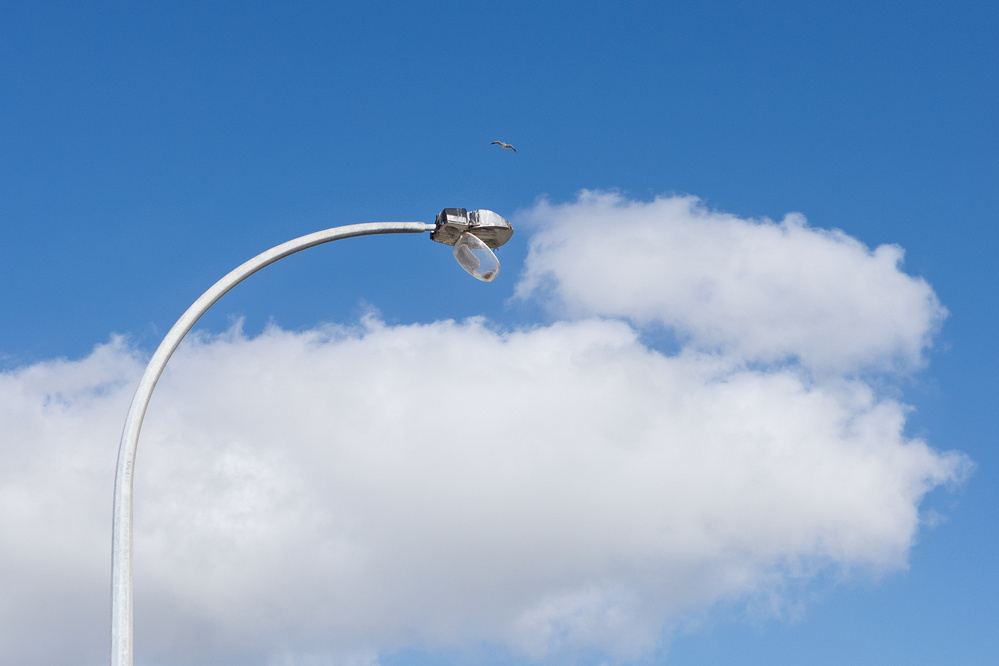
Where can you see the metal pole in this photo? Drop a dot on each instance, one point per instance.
(121, 544)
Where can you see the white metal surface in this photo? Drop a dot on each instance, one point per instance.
(121, 545)
(491, 228)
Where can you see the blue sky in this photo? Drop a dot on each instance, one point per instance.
(148, 149)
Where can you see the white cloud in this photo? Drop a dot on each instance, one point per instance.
(319, 497)
(755, 289)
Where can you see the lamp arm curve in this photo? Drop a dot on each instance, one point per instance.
(121, 540)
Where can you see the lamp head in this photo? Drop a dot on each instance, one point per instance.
(473, 234)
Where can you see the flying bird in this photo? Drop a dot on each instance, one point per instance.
(504, 146)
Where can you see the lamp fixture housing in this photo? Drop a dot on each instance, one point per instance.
(491, 228)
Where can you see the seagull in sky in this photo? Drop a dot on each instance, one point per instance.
(504, 146)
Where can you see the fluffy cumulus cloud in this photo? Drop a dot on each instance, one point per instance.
(325, 496)
(761, 290)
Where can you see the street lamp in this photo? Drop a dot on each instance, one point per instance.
(474, 234)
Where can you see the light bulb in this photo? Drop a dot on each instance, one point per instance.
(476, 257)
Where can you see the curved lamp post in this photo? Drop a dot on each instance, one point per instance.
(473, 235)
